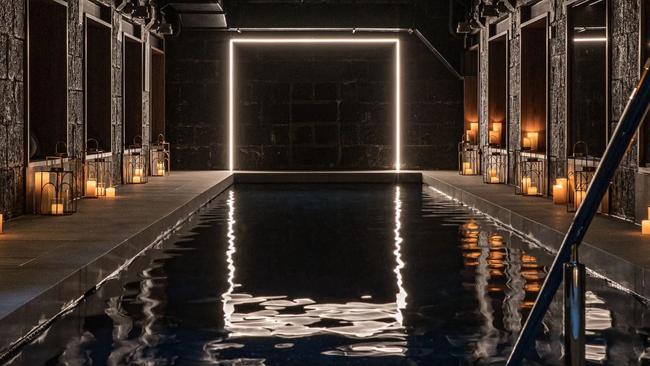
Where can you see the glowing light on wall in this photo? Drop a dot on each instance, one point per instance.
(318, 41)
(590, 40)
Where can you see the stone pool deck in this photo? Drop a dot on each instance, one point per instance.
(612, 247)
(47, 262)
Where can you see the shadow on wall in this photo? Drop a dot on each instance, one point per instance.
(306, 107)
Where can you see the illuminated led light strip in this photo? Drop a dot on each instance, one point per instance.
(398, 91)
(595, 39)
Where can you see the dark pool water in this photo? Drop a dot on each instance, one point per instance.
(332, 275)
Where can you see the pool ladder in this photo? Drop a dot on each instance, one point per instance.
(566, 264)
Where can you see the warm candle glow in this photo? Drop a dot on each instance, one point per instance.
(91, 188)
(137, 172)
(525, 185)
(648, 212)
(534, 140)
(469, 171)
(493, 172)
(1, 218)
(57, 209)
(497, 126)
(136, 179)
(101, 189)
(494, 138)
(532, 191)
(110, 192)
(645, 227)
(580, 196)
(526, 143)
(559, 191)
(160, 168)
(494, 180)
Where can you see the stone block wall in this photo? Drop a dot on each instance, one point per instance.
(12, 113)
(624, 74)
(13, 159)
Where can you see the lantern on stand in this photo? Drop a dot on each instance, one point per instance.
(469, 159)
(159, 157)
(495, 165)
(96, 171)
(530, 174)
(581, 169)
(135, 164)
(55, 187)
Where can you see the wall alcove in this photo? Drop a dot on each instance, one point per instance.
(471, 95)
(588, 75)
(98, 82)
(157, 93)
(47, 65)
(498, 91)
(534, 86)
(133, 83)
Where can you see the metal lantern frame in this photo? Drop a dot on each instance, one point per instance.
(160, 157)
(56, 187)
(495, 165)
(530, 173)
(469, 159)
(135, 164)
(581, 169)
(97, 169)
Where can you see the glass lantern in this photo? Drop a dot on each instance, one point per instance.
(55, 190)
(581, 169)
(159, 157)
(495, 164)
(96, 171)
(135, 164)
(531, 174)
(469, 159)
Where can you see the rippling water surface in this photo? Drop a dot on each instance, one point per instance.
(333, 275)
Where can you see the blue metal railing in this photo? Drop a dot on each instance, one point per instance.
(630, 121)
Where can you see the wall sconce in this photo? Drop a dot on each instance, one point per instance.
(54, 188)
(531, 175)
(469, 162)
(495, 165)
(159, 157)
(135, 165)
(97, 171)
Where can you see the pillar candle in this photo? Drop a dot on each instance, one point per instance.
(57, 209)
(525, 184)
(579, 197)
(532, 191)
(645, 227)
(160, 167)
(534, 140)
(110, 192)
(494, 180)
(648, 212)
(1, 223)
(137, 172)
(91, 188)
(526, 143)
(559, 194)
(136, 179)
(497, 126)
(494, 138)
(41, 192)
(101, 190)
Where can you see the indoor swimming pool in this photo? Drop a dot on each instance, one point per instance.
(333, 274)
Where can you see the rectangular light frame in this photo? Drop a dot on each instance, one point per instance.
(325, 41)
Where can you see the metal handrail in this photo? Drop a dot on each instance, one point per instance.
(630, 121)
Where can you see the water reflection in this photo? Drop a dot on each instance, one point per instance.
(381, 325)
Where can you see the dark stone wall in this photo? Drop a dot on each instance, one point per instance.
(624, 74)
(310, 107)
(12, 114)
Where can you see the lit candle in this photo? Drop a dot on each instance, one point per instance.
(497, 126)
(494, 138)
(645, 227)
(101, 189)
(57, 209)
(580, 196)
(534, 140)
(532, 191)
(110, 192)
(41, 192)
(0, 223)
(161, 168)
(559, 191)
(469, 171)
(525, 185)
(494, 180)
(648, 212)
(526, 143)
(136, 179)
(91, 188)
(137, 172)
(493, 172)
